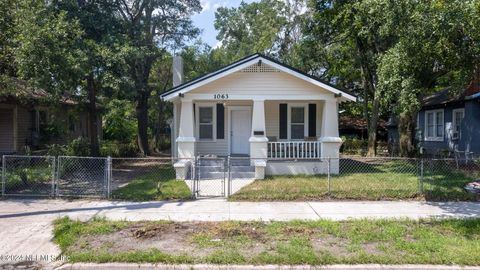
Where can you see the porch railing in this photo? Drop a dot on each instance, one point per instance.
(295, 149)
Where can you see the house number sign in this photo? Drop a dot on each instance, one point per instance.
(220, 96)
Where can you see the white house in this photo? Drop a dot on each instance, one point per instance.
(283, 119)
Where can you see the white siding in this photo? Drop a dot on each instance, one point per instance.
(261, 83)
(272, 117)
(220, 147)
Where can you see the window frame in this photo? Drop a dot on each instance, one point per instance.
(456, 135)
(214, 121)
(305, 120)
(435, 137)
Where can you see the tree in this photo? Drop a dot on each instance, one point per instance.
(69, 47)
(438, 47)
(271, 27)
(348, 38)
(151, 26)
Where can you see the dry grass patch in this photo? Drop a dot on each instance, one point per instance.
(295, 242)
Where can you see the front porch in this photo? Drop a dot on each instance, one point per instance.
(263, 130)
(260, 108)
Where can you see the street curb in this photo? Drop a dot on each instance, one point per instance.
(129, 266)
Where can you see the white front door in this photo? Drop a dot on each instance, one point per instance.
(240, 127)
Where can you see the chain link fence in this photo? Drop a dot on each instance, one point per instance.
(140, 179)
(148, 179)
(83, 177)
(28, 175)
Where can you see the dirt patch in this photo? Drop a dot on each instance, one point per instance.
(201, 239)
(170, 238)
(332, 245)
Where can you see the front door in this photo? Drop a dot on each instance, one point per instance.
(240, 127)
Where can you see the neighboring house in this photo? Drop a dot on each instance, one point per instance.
(356, 127)
(27, 121)
(279, 117)
(451, 123)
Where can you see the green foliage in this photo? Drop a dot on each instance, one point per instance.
(119, 121)
(117, 149)
(78, 147)
(268, 26)
(28, 177)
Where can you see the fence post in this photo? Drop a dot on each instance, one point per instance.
(4, 175)
(420, 183)
(54, 174)
(328, 175)
(109, 175)
(229, 187)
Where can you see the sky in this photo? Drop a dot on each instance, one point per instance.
(205, 19)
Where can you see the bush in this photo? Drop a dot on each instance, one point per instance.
(56, 150)
(115, 149)
(120, 122)
(78, 147)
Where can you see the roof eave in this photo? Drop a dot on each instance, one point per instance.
(245, 62)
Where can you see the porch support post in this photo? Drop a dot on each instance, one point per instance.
(330, 140)
(185, 141)
(186, 137)
(258, 139)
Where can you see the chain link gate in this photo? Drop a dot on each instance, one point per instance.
(210, 175)
(83, 177)
(28, 176)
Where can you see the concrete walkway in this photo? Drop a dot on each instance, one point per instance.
(26, 225)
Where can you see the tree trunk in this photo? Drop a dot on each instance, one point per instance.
(142, 122)
(372, 128)
(405, 129)
(92, 114)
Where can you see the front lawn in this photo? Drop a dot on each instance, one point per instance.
(368, 179)
(154, 186)
(258, 243)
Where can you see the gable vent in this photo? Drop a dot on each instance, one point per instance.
(259, 68)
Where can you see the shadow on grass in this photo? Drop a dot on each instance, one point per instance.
(154, 185)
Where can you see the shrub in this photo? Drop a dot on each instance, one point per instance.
(78, 147)
(115, 149)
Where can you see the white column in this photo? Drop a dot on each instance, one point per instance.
(330, 118)
(330, 140)
(258, 116)
(258, 143)
(186, 136)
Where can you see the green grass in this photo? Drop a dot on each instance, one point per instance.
(295, 242)
(146, 188)
(391, 180)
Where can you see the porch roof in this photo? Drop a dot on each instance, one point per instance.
(248, 61)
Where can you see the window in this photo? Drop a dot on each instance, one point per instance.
(205, 127)
(434, 125)
(457, 118)
(297, 123)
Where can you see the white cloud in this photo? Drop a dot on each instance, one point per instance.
(206, 5)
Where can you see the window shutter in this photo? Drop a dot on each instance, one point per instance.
(220, 121)
(283, 121)
(312, 120)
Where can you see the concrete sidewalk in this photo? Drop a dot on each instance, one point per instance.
(27, 224)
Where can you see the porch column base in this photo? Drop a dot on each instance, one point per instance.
(258, 155)
(330, 148)
(258, 147)
(186, 147)
(183, 169)
(260, 168)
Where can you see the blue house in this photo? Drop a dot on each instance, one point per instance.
(450, 123)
